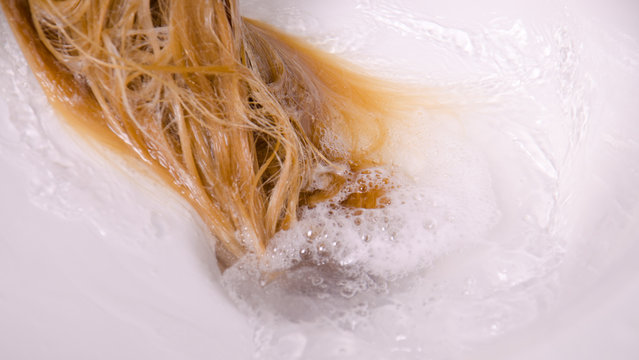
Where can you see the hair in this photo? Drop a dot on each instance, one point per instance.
(240, 119)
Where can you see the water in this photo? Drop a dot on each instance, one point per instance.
(511, 209)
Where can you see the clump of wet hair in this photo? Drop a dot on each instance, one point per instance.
(238, 117)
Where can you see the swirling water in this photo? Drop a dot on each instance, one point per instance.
(512, 205)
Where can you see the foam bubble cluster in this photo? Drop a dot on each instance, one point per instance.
(343, 269)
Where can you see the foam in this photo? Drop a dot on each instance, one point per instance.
(351, 270)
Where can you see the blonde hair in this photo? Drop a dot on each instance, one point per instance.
(238, 117)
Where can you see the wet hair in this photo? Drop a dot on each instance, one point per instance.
(246, 123)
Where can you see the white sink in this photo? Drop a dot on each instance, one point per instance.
(95, 264)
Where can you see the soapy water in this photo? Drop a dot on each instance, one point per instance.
(497, 207)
